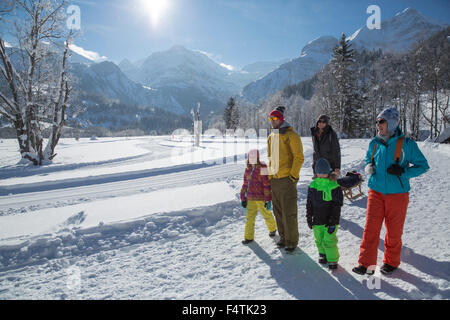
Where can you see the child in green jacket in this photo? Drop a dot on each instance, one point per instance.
(323, 211)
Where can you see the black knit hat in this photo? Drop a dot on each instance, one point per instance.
(281, 109)
(322, 166)
(324, 117)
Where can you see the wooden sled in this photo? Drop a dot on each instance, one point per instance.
(348, 192)
(354, 191)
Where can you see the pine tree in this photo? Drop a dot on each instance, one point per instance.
(235, 117)
(345, 111)
(227, 113)
(231, 115)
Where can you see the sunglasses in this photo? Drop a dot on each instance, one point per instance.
(273, 118)
(321, 121)
(381, 121)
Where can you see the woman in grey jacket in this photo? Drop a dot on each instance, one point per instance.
(326, 144)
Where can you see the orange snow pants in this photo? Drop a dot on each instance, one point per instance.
(392, 209)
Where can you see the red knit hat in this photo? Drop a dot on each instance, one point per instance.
(278, 112)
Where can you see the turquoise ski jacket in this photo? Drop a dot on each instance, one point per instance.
(412, 160)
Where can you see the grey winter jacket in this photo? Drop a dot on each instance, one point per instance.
(326, 146)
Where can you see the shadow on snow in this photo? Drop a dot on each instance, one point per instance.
(304, 279)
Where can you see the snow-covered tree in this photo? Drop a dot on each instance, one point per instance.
(227, 113)
(231, 115)
(235, 117)
(355, 86)
(346, 109)
(435, 52)
(35, 86)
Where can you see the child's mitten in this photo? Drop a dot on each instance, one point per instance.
(331, 229)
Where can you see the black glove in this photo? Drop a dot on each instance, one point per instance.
(396, 170)
(331, 229)
(244, 204)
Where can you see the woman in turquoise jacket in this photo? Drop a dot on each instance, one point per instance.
(384, 157)
(391, 161)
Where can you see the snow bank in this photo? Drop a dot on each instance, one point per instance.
(114, 210)
(86, 228)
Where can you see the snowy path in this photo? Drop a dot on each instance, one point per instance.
(196, 253)
(163, 167)
(63, 192)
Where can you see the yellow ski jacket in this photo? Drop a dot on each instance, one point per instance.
(285, 153)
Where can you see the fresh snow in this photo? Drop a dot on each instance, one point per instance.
(115, 210)
(155, 218)
(354, 35)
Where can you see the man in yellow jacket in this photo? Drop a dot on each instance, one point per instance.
(285, 153)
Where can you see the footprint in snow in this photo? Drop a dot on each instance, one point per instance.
(76, 219)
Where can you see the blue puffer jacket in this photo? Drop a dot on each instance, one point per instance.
(386, 183)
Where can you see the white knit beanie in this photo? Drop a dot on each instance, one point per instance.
(392, 116)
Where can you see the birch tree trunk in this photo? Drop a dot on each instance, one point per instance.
(35, 71)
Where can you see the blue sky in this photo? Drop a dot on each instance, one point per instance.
(233, 32)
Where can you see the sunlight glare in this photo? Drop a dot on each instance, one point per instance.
(154, 9)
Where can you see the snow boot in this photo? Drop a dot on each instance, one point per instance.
(246, 241)
(387, 269)
(272, 234)
(290, 249)
(362, 270)
(332, 265)
(322, 258)
(280, 244)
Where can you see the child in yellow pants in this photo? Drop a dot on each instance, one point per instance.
(252, 211)
(256, 195)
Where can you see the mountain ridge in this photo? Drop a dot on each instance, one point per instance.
(397, 33)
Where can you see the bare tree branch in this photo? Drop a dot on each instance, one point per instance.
(37, 81)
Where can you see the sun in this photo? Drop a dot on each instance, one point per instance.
(154, 9)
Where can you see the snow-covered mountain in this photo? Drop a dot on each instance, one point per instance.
(313, 57)
(126, 65)
(253, 72)
(102, 95)
(263, 67)
(397, 34)
(181, 68)
(106, 97)
(80, 55)
(107, 80)
(182, 77)
(175, 80)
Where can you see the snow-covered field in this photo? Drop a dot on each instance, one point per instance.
(154, 218)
